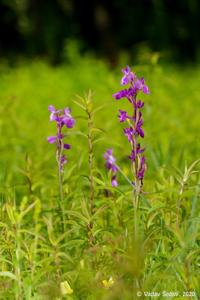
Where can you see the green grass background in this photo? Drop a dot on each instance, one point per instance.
(27, 161)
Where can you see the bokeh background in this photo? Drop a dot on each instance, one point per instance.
(106, 28)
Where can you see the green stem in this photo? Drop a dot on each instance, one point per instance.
(34, 258)
(18, 263)
(135, 205)
(127, 179)
(90, 161)
(60, 200)
(178, 206)
(90, 145)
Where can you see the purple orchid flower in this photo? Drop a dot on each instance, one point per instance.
(121, 94)
(52, 139)
(123, 116)
(114, 181)
(128, 76)
(138, 126)
(140, 86)
(135, 152)
(135, 130)
(129, 133)
(111, 165)
(142, 169)
(62, 118)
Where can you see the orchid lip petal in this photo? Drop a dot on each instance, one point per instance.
(111, 165)
(52, 139)
(67, 146)
(146, 90)
(69, 122)
(67, 111)
(114, 182)
(51, 108)
(52, 116)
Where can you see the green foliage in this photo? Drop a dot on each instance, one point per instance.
(96, 256)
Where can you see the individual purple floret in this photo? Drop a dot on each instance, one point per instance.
(142, 168)
(62, 118)
(128, 76)
(134, 131)
(114, 181)
(123, 116)
(129, 132)
(63, 161)
(111, 165)
(135, 152)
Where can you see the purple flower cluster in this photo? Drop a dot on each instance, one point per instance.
(136, 85)
(111, 165)
(134, 131)
(62, 118)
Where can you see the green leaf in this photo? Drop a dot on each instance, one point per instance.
(78, 215)
(11, 213)
(97, 129)
(97, 180)
(23, 213)
(80, 105)
(97, 140)
(8, 274)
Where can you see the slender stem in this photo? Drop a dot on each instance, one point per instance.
(136, 194)
(34, 257)
(59, 161)
(178, 205)
(135, 217)
(137, 183)
(18, 262)
(90, 145)
(60, 183)
(90, 161)
(60, 200)
(127, 179)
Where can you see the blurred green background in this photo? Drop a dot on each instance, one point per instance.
(171, 113)
(53, 50)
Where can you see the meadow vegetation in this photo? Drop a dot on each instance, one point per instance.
(73, 251)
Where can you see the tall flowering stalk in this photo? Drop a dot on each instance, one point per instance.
(134, 131)
(86, 104)
(88, 107)
(63, 118)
